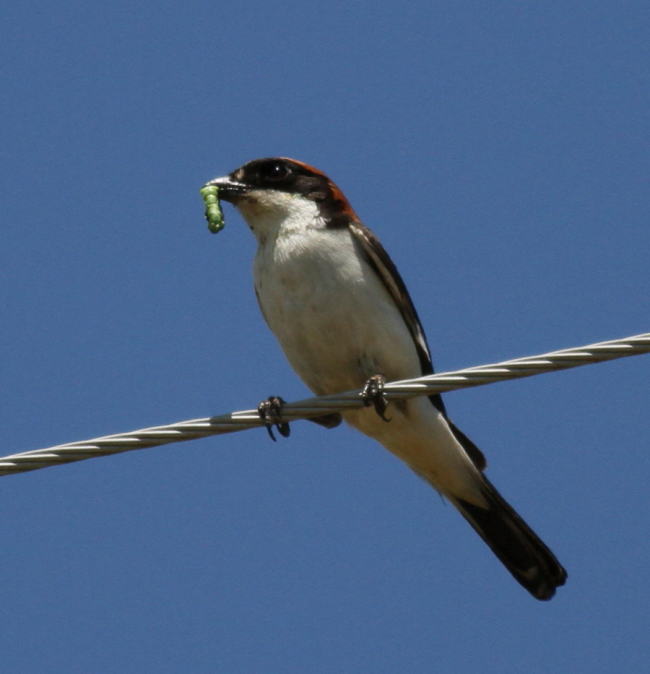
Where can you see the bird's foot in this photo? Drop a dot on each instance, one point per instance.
(373, 394)
(270, 411)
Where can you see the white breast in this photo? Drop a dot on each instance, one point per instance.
(332, 316)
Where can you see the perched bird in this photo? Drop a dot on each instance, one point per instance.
(344, 319)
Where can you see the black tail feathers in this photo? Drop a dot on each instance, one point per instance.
(516, 545)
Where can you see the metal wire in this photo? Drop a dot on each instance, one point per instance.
(313, 407)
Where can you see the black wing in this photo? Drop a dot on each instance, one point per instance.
(379, 260)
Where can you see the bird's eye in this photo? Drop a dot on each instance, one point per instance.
(275, 171)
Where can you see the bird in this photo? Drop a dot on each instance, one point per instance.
(343, 316)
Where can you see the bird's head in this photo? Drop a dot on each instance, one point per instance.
(274, 191)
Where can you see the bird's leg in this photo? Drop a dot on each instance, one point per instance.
(270, 411)
(373, 394)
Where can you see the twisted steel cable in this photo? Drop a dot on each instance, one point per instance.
(314, 407)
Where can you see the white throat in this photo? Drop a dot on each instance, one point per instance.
(271, 214)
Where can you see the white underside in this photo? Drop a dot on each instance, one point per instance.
(338, 326)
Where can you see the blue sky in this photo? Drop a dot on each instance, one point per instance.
(500, 151)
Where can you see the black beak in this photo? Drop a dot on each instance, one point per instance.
(229, 189)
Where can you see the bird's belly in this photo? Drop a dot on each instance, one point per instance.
(335, 322)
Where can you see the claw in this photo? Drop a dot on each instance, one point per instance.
(270, 412)
(373, 394)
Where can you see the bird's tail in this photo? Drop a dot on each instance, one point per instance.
(516, 545)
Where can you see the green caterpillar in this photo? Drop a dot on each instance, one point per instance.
(213, 212)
